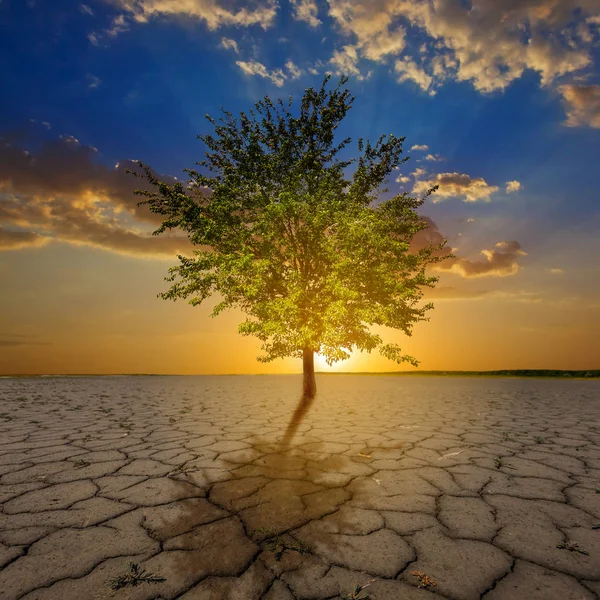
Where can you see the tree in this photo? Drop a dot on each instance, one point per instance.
(312, 257)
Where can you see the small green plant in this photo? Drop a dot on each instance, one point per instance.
(506, 436)
(499, 463)
(572, 547)
(172, 420)
(355, 593)
(81, 463)
(135, 576)
(275, 544)
(538, 439)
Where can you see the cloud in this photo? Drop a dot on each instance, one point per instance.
(229, 44)
(419, 147)
(293, 70)
(214, 14)
(344, 61)
(253, 67)
(93, 81)
(433, 157)
(21, 339)
(402, 179)
(408, 70)
(62, 193)
(375, 31)
(16, 240)
(513, 186)
(452, 292)
(500, 261)
(489, 44)
(456, 185)
(307, 11)
(582, 105)
(556, 271)
(117, 26)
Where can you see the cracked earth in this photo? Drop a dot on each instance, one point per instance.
(423, 488)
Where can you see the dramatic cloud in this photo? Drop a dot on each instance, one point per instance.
(375, 31)
(500, 261)
(489, 43)
(456, 185)
(62, 193)
(513, 186)
(214, 14)
(307, 11)
(582, 104)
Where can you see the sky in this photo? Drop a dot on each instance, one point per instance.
(499, 102)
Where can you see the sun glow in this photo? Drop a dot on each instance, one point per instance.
(342, 365)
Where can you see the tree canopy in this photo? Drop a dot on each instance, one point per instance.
(310, 253)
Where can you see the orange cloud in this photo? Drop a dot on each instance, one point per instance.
(582, 104)
(14, 240)
(500, 261)
(456, 185)
(62, 193)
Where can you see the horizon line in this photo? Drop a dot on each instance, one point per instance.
(586, 373)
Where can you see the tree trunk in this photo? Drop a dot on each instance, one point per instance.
(308, 365)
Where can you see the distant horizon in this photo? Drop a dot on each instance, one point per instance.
(586, 373)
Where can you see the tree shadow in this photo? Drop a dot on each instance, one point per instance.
(301, 411)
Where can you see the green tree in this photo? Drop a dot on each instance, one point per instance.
(310, 255)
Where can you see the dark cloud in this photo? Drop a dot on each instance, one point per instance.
(502, 260)
(13, 240)
(63, 192)
(582, 104)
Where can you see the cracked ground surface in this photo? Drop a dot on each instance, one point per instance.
(426, 488)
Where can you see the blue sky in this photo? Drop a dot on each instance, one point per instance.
(499, 103)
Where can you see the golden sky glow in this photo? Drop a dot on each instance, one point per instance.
(499, 104)
(83, 310)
